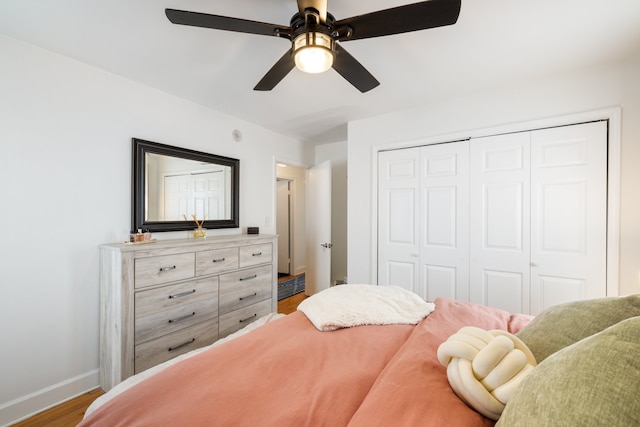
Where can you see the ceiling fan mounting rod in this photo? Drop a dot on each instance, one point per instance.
(310, 23)
(311, 16)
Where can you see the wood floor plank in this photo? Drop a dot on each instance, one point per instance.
(289, 305)
(66, 414)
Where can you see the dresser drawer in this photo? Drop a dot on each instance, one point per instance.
(216, 261)
(243, 288)
(163, 269)
(236, 320)
(169, 346)
(167, 309)
(256, 254)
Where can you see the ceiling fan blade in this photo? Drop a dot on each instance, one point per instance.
(319, 5)
(401, 19)
(277, 72)
(353, 71)
(196, 19)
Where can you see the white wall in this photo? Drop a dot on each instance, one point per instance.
(576, 92)
(65, 179)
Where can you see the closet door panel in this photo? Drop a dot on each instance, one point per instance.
(502, 211)
(504, 289)
(398, 232)
(499, 221)
(399, 273)
(444, 220)
(440, 208)
(568, 184)
(442, 281)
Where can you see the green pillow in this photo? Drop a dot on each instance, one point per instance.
(594, 382)
(562, 325)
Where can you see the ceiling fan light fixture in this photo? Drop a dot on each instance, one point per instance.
(313, 52)
(314, 34)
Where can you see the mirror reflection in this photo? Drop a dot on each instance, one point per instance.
(179, 188)
(171, 185)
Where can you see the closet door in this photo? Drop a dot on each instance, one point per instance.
(569, 214)
(499, 221)
(398, 227)
(515, 221)
(444, 221)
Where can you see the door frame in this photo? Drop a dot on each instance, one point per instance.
(289, 215)
(614, 143)
(296, 265)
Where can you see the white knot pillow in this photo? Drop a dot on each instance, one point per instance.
(485, 367)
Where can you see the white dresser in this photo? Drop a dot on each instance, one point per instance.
(163, 299)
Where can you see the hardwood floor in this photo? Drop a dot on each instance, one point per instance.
(66, 414)
(289, 305)
(70, 413)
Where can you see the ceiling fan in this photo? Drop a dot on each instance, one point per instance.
(314, 33)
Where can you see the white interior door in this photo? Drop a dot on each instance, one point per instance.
(177, 191)
(208, 195)
(569, 214)
(500, 221)
(444, 221)
(532, 208)
(398, 213)
(424, 220)
(318, 229)
(200, 194)
(283, 225)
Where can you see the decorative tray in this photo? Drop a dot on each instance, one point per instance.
(142, 242)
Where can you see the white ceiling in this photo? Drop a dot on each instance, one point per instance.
(494, 42)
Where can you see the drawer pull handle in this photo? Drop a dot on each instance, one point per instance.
(248, 296)
(248, 278)
(248, 318)
(257, 254)
(180, 319)
(181, 345)
(163, 269)
(182, 294)
(219, 260)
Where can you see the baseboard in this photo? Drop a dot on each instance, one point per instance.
(31, 404)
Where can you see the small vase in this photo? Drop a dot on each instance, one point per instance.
(199, 233)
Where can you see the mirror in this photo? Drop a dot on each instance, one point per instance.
(171, 184)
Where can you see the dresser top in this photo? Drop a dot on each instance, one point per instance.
(199, 244)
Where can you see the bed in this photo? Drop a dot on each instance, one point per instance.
(286, 371)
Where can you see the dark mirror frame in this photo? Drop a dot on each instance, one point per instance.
(139, 149)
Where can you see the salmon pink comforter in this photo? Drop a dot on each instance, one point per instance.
(287, 373)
